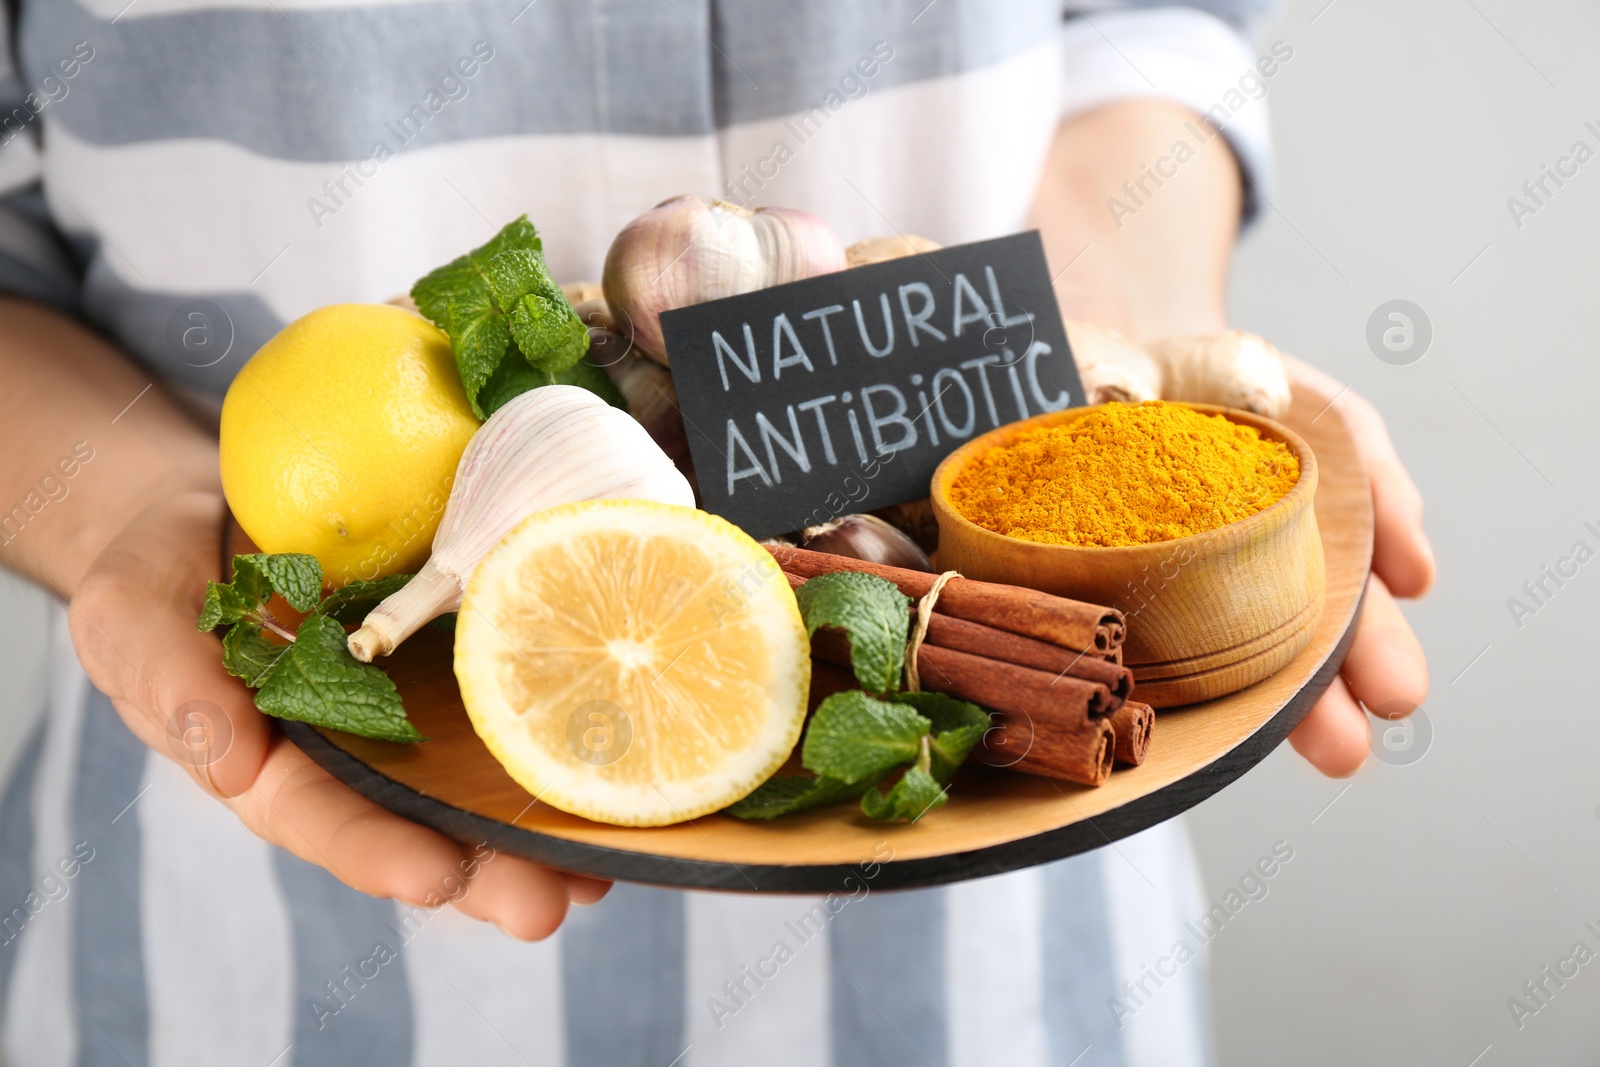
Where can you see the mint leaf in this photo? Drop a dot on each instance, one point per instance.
(512, 273)
(461, 280)
(480, 344)
(457, 298)
(351, 604)
(251, 585)
(586, 375)
(499, 302)
(547, 329)
(247, 654)
(872, 612)
(957, 727)
(295, 576)
(788, 793)
(853, 736)
(510, 380)
(913, 796)
(515, 377)
(519, 233)
(317, 681)
(224, 606)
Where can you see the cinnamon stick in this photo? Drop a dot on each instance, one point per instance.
(989, 643)
(1027, 612)
(1079, 753)
(963, 636)
(1003, 687)
(1132, 725)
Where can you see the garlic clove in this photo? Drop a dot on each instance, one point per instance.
(556, 444)
(866, 537)
(688, 250)
(647, 387)
(1111, 367)
(883, 249)
(1232, 369)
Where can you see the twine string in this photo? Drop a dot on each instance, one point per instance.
(924, 614)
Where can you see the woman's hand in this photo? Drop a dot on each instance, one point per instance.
(1164, 273)
(132, 619)
(1385, 670)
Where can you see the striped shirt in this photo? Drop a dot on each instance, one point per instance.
(253, 159)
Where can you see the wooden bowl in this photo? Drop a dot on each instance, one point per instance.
(1207, 614)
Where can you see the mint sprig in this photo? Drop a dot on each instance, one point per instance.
(913, 796)
(308, 675)
(871, 612)
(854, 736)
(784, 794)
(510, 326)
(856, 740)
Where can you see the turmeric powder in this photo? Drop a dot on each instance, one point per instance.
(1125, 475)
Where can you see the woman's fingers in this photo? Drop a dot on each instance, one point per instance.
(522, 898)
(1401, 554)
(297, 805)
(1334, 737)
(582, 889)
(132, 622)
(1386, 670)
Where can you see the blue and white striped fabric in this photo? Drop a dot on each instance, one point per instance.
(270, 156)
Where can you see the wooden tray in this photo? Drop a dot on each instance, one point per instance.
(996, 821)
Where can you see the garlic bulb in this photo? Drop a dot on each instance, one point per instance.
(688, 250)
(552, 445)
(645, 385)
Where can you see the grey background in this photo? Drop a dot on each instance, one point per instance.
(1421, 897)
(1427, 894)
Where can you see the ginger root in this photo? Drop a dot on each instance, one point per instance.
(1231, 369)
(882, 249)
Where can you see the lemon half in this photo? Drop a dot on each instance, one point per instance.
(631, 662)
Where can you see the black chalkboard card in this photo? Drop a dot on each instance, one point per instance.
(842, 393)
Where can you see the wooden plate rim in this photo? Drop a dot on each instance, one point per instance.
(624, 865)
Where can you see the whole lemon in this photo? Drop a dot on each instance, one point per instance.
(340, 438)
